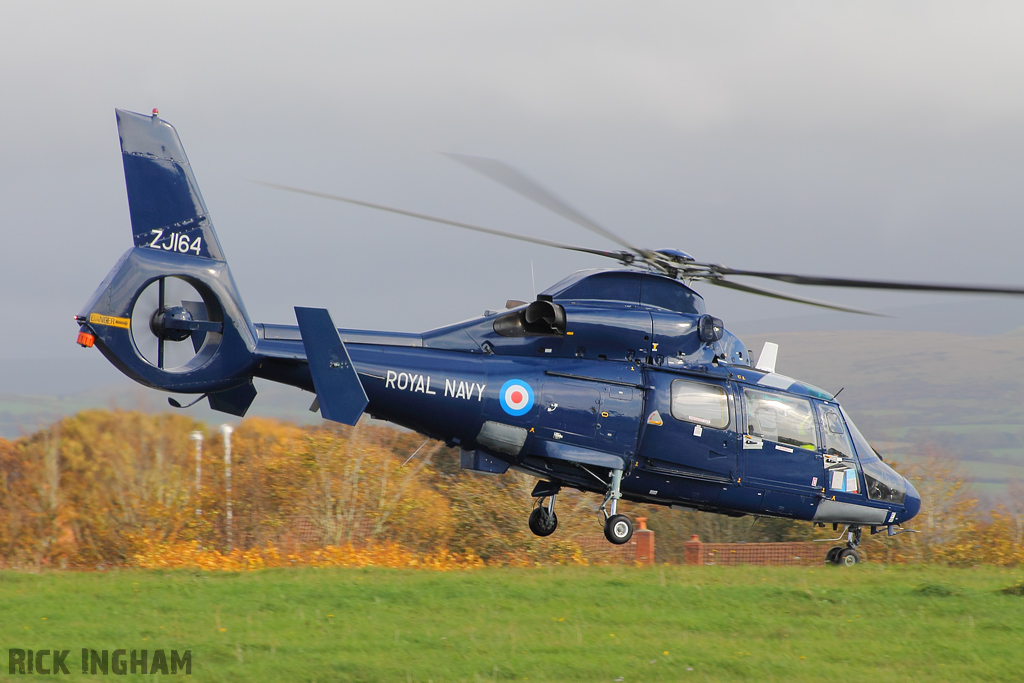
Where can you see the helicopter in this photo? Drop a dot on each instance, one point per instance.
(613, 381)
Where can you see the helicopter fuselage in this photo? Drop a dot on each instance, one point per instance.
(617, 383)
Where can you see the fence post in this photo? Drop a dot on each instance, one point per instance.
(226, 430)
(692, 553)
(644, 538)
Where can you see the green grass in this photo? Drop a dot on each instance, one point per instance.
(552, 624)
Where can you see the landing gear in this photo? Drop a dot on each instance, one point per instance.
(846, 556)
(618, 529)
(543, 520)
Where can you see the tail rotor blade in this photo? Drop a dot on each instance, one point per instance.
(160, 307)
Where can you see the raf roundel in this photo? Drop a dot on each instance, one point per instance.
(516, 397)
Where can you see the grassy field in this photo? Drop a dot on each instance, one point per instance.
(546, 624)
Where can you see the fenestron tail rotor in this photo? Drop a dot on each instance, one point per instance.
(167, 314)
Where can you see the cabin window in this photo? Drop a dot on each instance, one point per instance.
(783, 419)
(703, 404)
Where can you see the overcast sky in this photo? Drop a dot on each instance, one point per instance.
(867, 139)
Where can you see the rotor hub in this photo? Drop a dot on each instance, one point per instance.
(162, 323)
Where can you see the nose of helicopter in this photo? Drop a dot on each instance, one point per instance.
(912, 503)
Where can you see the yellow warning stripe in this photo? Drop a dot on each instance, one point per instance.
(97, 319)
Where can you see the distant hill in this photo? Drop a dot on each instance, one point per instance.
(37, 392)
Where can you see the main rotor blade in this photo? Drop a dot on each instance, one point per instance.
(869, 284)
(517, 181)
(786, 297)
(619, 256)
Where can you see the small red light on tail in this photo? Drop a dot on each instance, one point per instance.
(86, 340)
(156, 112)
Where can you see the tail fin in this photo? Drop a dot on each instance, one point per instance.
(167, 209)
(169, 314)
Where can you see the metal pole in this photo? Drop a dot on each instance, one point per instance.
(226, 431)
(198, 438)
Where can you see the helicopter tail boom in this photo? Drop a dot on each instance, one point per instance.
(168, 314)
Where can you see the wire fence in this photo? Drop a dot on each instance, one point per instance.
(597, 549)
(728, 554)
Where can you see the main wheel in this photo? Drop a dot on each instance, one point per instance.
(830, 558)
(618, 529)
(542, 522)
(847, 557)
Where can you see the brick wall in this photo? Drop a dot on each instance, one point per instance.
(803, 553)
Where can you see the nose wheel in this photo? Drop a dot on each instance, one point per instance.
(846, 556)
(618, 529)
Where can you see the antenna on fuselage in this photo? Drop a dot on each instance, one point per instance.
(769, 354)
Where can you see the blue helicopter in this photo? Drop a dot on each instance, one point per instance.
(614, 381)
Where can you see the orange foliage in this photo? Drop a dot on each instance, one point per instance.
(119, 488)
(391, 555)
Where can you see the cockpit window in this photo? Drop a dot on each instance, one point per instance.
(837, 442)
(883, 483)
(840, 461)
(703, 404)
(864, 449)
(780, 418)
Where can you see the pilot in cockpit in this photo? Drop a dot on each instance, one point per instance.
(766, 422)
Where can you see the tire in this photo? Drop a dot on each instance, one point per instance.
(847, 557)
(830, 558)
(618, 529)
(542, 522)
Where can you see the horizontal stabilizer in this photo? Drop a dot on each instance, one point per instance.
(234, 401)
(338, 389)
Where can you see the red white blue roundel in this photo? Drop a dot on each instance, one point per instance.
(516, 397)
